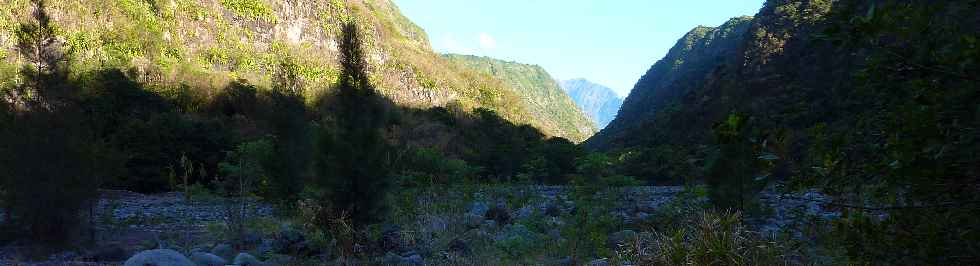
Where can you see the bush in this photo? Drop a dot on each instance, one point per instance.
(708, 238)
(50, 170)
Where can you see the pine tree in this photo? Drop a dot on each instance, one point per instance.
(352, 164)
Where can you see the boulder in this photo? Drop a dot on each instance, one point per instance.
(472, 220)
(621, 238)
(391, 239)
(158, 257)
(245, 259)
(207, 259)
(500, 214)
(391, 258)
(524, 212)
(413, 260)
(459, 246)
(599, 262)
(108, 253)
(478, 208)
(224, 251)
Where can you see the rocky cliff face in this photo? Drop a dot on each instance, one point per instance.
(204, 44)
(599, 102)
(539, 93)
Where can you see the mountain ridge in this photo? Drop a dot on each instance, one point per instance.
(600, 102)
(539, 92)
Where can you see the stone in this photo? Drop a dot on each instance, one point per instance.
(158, 257)
(391, 258)
(620, 238)
(500, 214)
(391, 239)
(224, 251)
(459, 246)
(252, 239)
(599, 262)
(108, 253)
(472, 220)
(245, 259)
(207, 259)
(524, 212)
(289, 235)
(478, 208)
(413, 260)
(642, 216)
(552, 209)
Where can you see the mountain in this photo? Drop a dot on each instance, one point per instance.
(599, 102)
(683, 69)
(874, 102)
(539, 92)
(205, 44)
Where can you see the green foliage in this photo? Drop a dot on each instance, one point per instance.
(52, 162)
(352, 158)
(538, 90)
(427, 167)
(250, 9)
(711, 238)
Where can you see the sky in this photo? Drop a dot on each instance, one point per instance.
(610, 42)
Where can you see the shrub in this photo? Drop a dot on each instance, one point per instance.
(709, 238)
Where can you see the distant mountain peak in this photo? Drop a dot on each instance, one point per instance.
(599, 102)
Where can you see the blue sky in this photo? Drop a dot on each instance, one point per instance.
(611, 42)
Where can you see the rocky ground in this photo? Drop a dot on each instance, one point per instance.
(128, 223)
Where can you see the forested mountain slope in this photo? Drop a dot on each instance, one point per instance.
(539, 92)
(599, 102)
(872, 101)
(198, 46)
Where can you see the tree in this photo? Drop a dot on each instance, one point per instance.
(46, 68)
(352, 162)
(51, 161)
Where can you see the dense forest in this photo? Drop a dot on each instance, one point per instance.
(816, 132)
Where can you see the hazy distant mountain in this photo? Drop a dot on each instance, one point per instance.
(599, 102)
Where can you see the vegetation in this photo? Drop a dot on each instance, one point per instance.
(871, 105)
(538, 91)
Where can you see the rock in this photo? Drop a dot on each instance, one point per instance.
(489, 225)
(500, 214)
(459, 246)
(289, 235)
(252, 239)
(478, 208)
(224, 251)
(207, 259)
(472, 220)
(108, 253)
(391, 259)
(621, 238)
(158, 257)
(524, 212)
(552, 209)
(413, 260)
(391, 239)
(599, 262)
(245, 259)
(642, 216)
(517, 232)
(266, 247)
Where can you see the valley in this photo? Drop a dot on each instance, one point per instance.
(291, 132)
